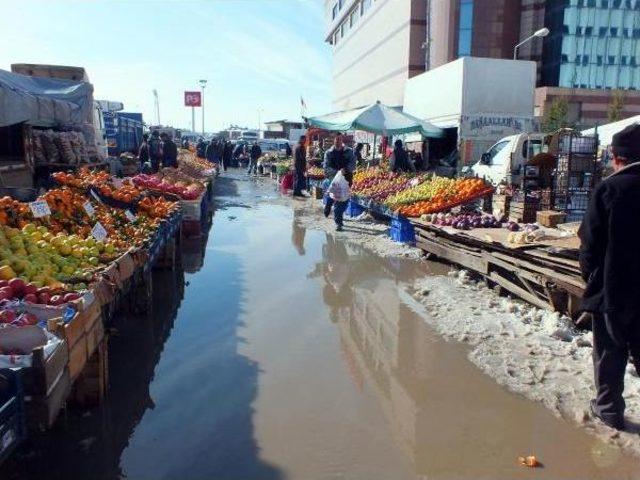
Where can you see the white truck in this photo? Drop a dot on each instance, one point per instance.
(477, 101)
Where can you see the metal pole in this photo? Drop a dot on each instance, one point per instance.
(203, 110)
(193, 119)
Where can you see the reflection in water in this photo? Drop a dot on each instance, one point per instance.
(450, 420)
(298, 233)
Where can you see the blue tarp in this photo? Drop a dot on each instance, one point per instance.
(44, 101)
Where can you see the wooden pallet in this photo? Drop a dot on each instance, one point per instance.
(532, 274)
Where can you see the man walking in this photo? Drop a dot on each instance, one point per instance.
(256, 153)
(226, 156)
(300, 166)
(169, 152)
(610, 264)
(337, 158)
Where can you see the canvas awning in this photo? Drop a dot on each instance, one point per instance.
(377, 118)
(44, 101)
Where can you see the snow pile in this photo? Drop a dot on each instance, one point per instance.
(534, 352)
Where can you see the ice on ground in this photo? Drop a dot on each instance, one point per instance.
(534, 352)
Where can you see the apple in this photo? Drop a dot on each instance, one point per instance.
(69, 297)
(4, 283)
(44, 298)
(31, 298)
(17, 285)
(8, 291)
(7, 316)
(56, 300)
(43, 290)
(29, 319)
(30, 289)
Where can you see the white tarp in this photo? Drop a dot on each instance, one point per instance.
(606, 132)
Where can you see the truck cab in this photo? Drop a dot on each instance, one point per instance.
(504, 161)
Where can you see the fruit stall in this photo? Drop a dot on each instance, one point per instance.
(536, 261)
(68, 260)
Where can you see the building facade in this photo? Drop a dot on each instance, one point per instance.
(377, 45)
(594, 46)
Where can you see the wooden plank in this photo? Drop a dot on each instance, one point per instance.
(516, 290)
(460, 257)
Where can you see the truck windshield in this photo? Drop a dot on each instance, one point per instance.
(494, 159)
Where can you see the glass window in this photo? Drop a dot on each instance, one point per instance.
(604, 3)
(564, 58)
(565, 28)
(335, 11)
(355, 15)
(616, 3)
(636, 33)
(623, 60)
(585, 60)
(465, 32)
(625, 32)
(341, 2)
(494, 151)
(577, 58)
(588, 31)
(637, 5)
(611, 60)
(627, 4)
(591, 3)
(599, 59)
(581, 3)
(602, 32)
(614, 31)
(632, 61)
(578, 31)
(366, 4)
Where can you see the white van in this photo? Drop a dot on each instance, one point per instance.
(505, 159)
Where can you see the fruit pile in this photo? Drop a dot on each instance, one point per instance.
(315, 173)
(379, 185)
(194, 166)
(464, 221)
(439, 194)
(157, 207)
(84, 178)
(167, 184)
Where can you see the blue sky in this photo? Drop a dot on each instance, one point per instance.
(256, 54)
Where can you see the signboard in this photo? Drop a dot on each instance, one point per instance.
(98, 232)
(40, 208)
(89, 208)
(192, 99)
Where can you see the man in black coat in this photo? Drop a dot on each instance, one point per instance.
(169, 152)
(256, 153)
(610, 263)
(300, 166)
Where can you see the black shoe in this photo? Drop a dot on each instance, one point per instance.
(298, 195)
(327, 211)
(339, 228)
(615, 422)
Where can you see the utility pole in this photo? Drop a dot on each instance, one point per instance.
(203, 83)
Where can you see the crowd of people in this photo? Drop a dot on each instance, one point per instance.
(157, 150)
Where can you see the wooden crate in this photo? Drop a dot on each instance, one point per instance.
(522, 212)
(44, 372)
(42, 410)
(550, 218)
(94, 338)
(167, 258)
(500, 205)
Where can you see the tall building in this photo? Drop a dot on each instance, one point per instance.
(593, 47)
(377, 45)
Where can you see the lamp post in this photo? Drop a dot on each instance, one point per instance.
(203, 83)
(260, 110)
(543, 32)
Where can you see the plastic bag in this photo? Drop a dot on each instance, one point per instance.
(339, 189)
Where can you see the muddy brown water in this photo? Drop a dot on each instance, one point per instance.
(291, 354)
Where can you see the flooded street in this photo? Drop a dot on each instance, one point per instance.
(292, 354)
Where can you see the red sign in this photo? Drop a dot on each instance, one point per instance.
(192, 99)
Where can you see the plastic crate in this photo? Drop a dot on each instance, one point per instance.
(12, 420)
(353, 209)
(402, 231)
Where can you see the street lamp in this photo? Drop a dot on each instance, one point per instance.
(203, 83)
(260, 110)
(543, 32)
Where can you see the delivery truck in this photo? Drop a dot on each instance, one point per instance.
(477, 101)
(124, 132)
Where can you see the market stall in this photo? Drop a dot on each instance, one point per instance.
(45, 125)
